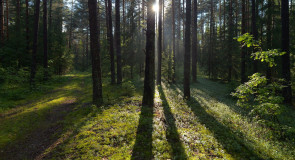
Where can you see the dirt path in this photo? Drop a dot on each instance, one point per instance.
(34, 144)
(46, 137)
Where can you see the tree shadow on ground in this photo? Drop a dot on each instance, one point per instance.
(143, 144)
(232, 141)
(172, 135)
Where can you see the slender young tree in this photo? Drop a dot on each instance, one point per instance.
(95, 53)
(45, 46)
(254, 30)
(35, 42)
(27, 26)
(269, 33)
(195, 41)
(243, 52)
(230, 40)
(173, 41)
(187, 52)
(1, 21)
(159, 75)
(118, 43)
(287, 92)
(7, 19)
(149, 79)
(110, 38)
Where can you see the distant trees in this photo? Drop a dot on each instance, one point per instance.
(95, 53)
(149, 79)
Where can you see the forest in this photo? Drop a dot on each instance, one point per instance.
(147, 79)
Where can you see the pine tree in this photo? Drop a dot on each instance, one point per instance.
(187, 52)
(195, 41)
(35, 42)
(149, 79)
(110, 38)
(159, 45)
(287, 92)
(95, 53)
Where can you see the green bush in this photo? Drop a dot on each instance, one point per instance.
(261, 95)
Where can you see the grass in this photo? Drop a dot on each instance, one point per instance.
(209, 126)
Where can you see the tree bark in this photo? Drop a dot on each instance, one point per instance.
(187, 53)
(287, 92)
(7, 15)
(1, 21)
(243, 52)
(195, 41)
(118, 43)
(269, 34)
(71, 26)
(254, 30)
(149, 79)
(160, 44)
(173, 41)
(230, 40)
(35, 42)
(45, 46)
(95, 53)
(27, 26)
(110, 38)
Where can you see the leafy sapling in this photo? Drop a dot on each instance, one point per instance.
(258, 94)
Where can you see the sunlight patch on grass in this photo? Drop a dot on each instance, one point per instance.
(110, 133)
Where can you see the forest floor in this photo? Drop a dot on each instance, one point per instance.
(59, 123)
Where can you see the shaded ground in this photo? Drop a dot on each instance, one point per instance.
(209, 126)
(36, 142)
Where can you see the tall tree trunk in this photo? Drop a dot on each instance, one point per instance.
(110, 39)
(243, 52)
(95, 53)
(45, 47)
(195, 41)
(18, 32)
(254, 30)
(71, 26)
(27, 26)
(17, 16)
(173, 41)
(87, 47)
(1, 21)
(269, 34)
(118, 43)
(210, 61)
(287, 92)
(35, 42)
(230, 40)
(149, 79)
(7, 20)
(187, 53)
(160, 44)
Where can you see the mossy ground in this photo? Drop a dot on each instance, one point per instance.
(209, 126)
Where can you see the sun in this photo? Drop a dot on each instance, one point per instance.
(156, 7)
